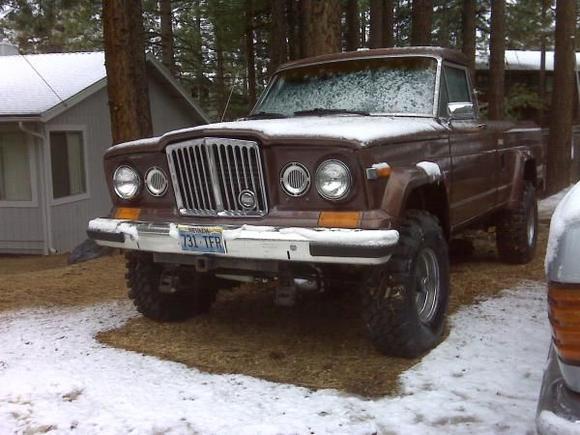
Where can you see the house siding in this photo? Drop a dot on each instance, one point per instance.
(22, 228)
(69, 220)
(168, 110)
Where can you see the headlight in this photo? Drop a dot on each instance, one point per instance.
(126, 182)
(295, 179)
(156, 182)
(333, 180)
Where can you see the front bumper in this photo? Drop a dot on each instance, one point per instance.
(558, 406)
(318, 245)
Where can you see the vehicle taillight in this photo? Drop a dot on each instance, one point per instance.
(564, 313)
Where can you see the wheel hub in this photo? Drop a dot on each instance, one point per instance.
(428, 285)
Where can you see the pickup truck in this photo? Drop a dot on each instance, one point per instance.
(352, 171)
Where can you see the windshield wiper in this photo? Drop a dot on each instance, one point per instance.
(319, 111)
(266, 115)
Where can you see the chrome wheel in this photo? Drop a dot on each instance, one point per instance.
(427, 285)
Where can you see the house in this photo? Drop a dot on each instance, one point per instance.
(522, 73)
(54, 129)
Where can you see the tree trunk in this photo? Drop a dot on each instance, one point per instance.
(468, 13)
(278, 45)
(497, 60)
(304, 12)
(542, 77)
(376, 31)
(322, 27)
(388, 23)
(250, 56)
(220, 77)
(167, 46)
(421, 22)
(126, 70)
(352, 25)
(293, 14)
(558, 170)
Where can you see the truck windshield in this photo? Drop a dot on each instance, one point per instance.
(398, 85)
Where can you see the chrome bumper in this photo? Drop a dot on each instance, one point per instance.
(558, 405)
(318, 245)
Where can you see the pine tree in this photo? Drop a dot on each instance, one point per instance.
(497, 60)
(422, 22)
(126, 70)
(322, 23)
(558, 162)
(468, 16)
(376, 30)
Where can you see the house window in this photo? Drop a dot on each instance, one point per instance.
(14, 168)
(67, 156)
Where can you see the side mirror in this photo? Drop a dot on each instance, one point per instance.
(461, 111)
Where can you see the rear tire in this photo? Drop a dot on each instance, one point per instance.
(405, 300)
(166, 295)
(517, 229)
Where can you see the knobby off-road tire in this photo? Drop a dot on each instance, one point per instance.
(147, 283)
(400, 322)
(517, 229)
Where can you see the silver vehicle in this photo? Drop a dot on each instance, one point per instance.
(559, 404)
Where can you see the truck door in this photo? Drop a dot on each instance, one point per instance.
(473, 152)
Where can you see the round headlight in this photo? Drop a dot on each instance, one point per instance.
(295, 179)
(333, 180)
(156, 182)
(126, 182)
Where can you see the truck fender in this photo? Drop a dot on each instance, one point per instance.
(403, 182)
(524, 170)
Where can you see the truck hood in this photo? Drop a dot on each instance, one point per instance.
(360, 130)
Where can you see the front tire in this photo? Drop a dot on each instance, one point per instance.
(517, 229)
(166, 295)
(405, 300)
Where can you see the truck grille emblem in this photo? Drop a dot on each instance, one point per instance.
(247, 199)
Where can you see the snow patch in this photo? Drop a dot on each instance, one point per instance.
(114, 226)
(55, 376)
(432, 170)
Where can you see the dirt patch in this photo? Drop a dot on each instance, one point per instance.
(14, 264)
(47, 281)
(320, 343)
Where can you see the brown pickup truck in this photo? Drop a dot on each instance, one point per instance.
(352, 171)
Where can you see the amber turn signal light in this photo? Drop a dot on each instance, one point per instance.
(129, 213)
(339, 219)
(564, 313)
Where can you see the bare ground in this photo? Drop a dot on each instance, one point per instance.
(320, 343)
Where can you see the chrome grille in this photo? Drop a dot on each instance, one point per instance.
(210, 174)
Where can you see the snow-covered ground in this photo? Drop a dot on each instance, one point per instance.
(55, 377)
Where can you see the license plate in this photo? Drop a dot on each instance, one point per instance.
(202, 239)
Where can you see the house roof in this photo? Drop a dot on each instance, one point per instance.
(522, 60)
(44, 85)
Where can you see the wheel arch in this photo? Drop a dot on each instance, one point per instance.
(414, 189)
